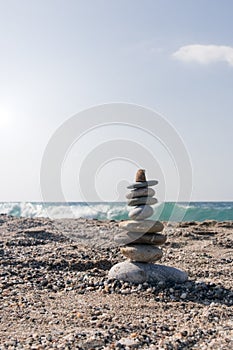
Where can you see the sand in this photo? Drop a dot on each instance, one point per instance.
(54, 291)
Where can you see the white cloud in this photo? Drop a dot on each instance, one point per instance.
(205, 54)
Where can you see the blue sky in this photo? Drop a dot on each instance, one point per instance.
(60, 57)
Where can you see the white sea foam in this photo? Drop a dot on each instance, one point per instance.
(59, 211)
(197, 211)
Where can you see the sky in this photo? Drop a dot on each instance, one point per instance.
(59, 58)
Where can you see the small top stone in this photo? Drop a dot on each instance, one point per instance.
(141, 181)
(140, 176)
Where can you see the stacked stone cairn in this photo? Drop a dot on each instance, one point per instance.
(141, 239)
(141, 236)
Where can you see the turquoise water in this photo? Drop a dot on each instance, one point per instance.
(169, 211)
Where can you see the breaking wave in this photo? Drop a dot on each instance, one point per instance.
(169, 211)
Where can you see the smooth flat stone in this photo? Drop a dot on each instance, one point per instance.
(141, 192)
(141, 212)
(142, 200)
(140, 238)
(142, 226)
(143, 184)
(146, 272)
(142, 253)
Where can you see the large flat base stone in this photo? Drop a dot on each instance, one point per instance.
(136, 272)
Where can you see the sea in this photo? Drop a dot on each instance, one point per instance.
(168, 211)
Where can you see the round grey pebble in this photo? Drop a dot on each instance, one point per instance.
(143, 184)
(141, 212)
(141, 192)
(140, 238)
(142, 226)
(136, 272)
(142, 252)
(142, 200)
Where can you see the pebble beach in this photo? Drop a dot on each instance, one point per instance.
(55, 293)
